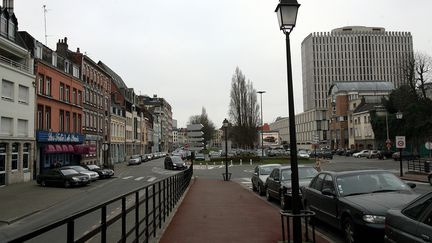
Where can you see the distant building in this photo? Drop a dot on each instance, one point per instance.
(349, 124)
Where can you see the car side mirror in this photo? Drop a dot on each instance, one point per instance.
(412, 185)
(256, 173)
(328, 192)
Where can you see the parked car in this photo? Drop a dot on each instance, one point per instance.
(350, 152)
(430, 178)
(62, 177)
(412, 223)
(278, 183)
(260, 175)
(326, 154)
(102, 172)
(374, 154)
(93, 175)
(134, 160)
(405, 156)
(303, 154)
(199, 156)
(363, 153)
(174, 163)
(356, 201)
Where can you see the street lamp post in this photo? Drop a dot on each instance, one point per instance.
(225, 125)
(287, 15)
(399, 116)
(262, 125)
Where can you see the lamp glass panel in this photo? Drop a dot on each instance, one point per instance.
(288, 16)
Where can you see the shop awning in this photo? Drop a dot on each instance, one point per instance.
(58, 148)
(81, 149)
(70, 148)
(49, 149)
(92, 149)
(65, 148)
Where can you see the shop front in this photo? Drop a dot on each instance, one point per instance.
(56, 149)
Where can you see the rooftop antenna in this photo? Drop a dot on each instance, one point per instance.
(46, 36)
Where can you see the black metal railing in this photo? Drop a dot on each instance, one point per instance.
(155, 201)
(420, 165)
(306, 216)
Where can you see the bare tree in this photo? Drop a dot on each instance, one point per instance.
(244, 110)
(418, 73)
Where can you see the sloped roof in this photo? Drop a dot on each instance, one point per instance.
(360, 86)
(116, 78)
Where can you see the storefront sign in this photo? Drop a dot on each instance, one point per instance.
(59, 137)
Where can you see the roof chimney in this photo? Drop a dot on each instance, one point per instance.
(62, 47)
(9, 5)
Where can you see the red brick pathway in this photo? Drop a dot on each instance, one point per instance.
(219, 211)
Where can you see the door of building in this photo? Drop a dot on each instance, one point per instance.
(2, 164)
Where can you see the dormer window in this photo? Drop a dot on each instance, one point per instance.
(11, 32)
(3, 26)
(66, 67)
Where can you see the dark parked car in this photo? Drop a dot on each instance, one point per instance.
(278, 184)
(356, 201)
(411, 224)
(103, 173)
(174, 163)
(405, 156)
(350, 152)
(430, 178)
(62, 177)
(260, 176)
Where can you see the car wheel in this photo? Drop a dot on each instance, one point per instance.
(43, 183)
(260, 190)
(430, 180)
(268, 195)
(349, 230)
(313, 219)
(283, 202)
(254, 188)
(67, 184)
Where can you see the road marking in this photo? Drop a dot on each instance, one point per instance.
(127, 177)
(152, 179)
(139, 178)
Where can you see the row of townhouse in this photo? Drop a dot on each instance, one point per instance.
(61, 106)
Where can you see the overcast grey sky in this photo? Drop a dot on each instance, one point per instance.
(187, 50)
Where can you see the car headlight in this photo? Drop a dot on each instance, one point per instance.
(374, 219)
(75, 179)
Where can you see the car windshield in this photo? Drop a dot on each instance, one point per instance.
(92, 167)
(176, 159)
(303, 173)
(372, 182)
(68, 172)
(266, 170)
(135, 156)
(78, 168)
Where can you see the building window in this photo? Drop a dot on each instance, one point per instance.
(79, 123)
(15, 156)
(7, 90)
(61, 92)
(41, 84)
(67, 95)
(75, 71)
(2, 162)
(66, 67)
(23, 94)
(74, 122)
(6, 127)
(39, 124)
(48, 86)
(74, 96)
(26, 150)
(61, 121)
(67, 122)
(22, 128)
(48, 118)
(79, 98)
(3, 26)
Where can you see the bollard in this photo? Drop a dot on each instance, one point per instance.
(222, 163)
(241, 162)
(206, 165)
(214, 163)
(250, 161)
(231, 163)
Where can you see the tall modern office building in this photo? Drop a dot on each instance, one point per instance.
(353, 53)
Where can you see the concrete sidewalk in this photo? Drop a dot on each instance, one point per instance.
(219, 211)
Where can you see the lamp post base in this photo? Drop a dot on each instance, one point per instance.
(226, 176)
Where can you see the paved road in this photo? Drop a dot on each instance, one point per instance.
(82, 198)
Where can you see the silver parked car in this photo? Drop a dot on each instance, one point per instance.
(92, 175)
(135, 160)
(260, 175)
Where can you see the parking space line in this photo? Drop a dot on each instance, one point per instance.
(139, 178)
(151, 179)
(127, 177)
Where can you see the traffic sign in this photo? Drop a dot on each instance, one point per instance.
(195, 139)
(195, 134)
(194, 127)
(400, 142)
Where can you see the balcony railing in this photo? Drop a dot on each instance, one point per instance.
(14, 64)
